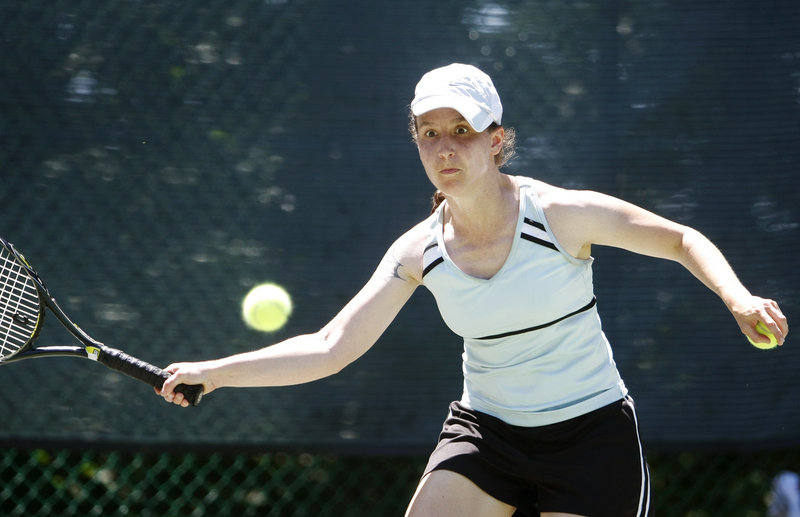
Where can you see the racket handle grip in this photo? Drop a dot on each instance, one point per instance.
(147, 373)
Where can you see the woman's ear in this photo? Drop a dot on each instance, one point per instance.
(498, 136)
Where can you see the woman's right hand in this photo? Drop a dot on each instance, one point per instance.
(184, 373)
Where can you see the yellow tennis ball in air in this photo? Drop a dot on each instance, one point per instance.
(762, 329)
(266, 307)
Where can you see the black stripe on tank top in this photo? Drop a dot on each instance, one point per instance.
(536, 240)
(539, 327)
(435, 262)
(432, 265)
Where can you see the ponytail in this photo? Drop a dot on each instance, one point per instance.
(437, 199)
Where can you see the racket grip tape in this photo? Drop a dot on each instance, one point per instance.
(147, 373)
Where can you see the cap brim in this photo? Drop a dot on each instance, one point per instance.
(472, 113)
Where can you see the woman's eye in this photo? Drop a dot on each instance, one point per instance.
(430, 133)
(462, 130)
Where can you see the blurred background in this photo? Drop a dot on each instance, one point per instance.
(160, 157)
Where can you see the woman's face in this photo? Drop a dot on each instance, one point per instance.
(453, 154)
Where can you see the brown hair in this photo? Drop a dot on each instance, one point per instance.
(436, 200)
(502, 158)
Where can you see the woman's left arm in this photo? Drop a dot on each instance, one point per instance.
(583, 218)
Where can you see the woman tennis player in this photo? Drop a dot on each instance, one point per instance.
(545, 425)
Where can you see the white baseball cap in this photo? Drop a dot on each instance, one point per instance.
(463, 88)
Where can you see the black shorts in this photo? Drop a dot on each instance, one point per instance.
(590, 465)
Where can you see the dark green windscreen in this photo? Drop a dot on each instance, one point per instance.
(158, 158)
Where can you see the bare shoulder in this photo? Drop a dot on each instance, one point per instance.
(403, 260)
(587, 206)
(559, 198)
(580, 206)
(580, 218)
(572, 215)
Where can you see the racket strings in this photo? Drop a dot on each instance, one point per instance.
(19, 305)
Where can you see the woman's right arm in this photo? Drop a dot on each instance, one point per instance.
(310, 357)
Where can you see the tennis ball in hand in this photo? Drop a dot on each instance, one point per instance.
(762, 329)
(266, 307)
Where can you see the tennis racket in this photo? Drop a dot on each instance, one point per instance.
(23, 298)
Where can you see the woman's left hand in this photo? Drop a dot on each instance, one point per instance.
(750, 310)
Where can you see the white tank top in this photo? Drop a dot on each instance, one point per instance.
(534, 349)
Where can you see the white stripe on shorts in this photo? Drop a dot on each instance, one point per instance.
(644, 493)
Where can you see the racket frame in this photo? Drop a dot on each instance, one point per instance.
(92, 349)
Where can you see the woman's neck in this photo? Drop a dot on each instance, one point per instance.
(486, 211)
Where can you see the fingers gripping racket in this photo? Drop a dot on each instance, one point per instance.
(23, 298)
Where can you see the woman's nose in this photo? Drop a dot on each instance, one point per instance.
(446, 150)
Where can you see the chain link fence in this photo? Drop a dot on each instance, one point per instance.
(48, 482)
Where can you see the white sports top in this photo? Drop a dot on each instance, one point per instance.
(534, 350)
